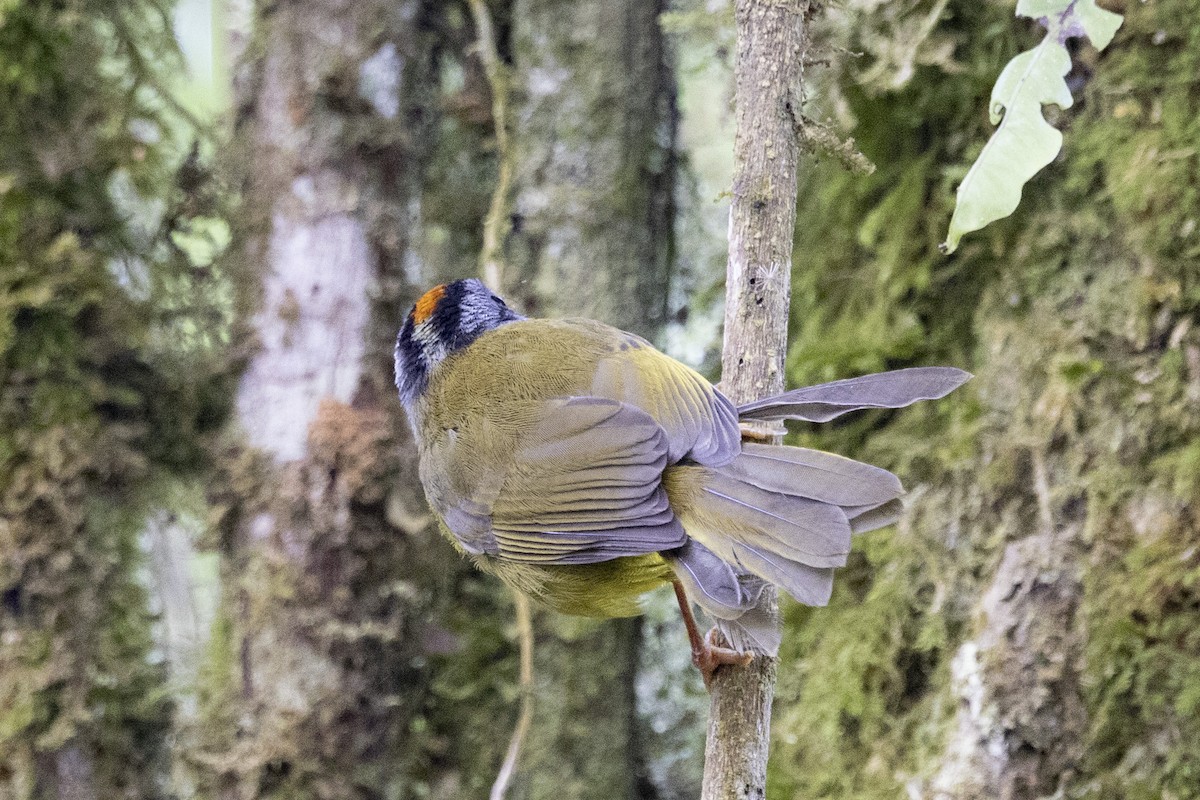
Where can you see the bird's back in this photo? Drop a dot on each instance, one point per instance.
(520, 363)
(487, 397)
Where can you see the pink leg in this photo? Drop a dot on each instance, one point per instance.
(705, 655)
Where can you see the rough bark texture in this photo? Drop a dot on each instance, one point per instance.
(1029, 630)
(101, 398)
(595, 120)
(771, 42)
(593, 136)
(317, 669)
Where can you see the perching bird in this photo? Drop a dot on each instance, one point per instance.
(584, 467)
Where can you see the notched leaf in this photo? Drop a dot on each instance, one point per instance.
(1025, 142)
(1073, 18)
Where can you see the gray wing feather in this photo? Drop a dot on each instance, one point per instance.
(828, 401)
(585, 486)
(700, 422)
(473, 531)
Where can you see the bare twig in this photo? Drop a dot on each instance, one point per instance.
(823, 141)
(147, 74)
(525, 718)
(491, 264)
(495, 226)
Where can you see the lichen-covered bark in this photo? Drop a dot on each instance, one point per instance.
(595, 127)
(317, 673)
(1028, 630)
(593, 135)
(101, 401)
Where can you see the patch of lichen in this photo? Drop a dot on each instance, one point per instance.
(315, 675)
(1077, 316)
(92, 411)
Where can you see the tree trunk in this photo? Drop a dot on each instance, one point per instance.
(595, 133)
(100, 402)
(593, 138)
(1028, 631)
(317, 674)
(772, 39)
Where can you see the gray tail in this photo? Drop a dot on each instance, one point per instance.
(729, 597)
(784, 515)
(826, 401)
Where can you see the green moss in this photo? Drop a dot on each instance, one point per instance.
(93, 412)
(1076, 316)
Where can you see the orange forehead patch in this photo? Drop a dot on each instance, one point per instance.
(428, 303)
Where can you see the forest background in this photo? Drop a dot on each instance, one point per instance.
(217, 576)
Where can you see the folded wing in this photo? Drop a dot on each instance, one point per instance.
(700, 423)
(583, 486)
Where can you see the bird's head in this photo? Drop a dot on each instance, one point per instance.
(446, 319)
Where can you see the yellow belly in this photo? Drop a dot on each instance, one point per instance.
(606, 589)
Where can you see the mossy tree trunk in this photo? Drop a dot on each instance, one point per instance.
(102, 400)
(1029, 630)
(317, 677)
(595, 118)
(593, 141)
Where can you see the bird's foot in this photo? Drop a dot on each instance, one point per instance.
(708, 657)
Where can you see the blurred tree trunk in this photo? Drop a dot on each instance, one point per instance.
(319, 664)
(317, 669)
(101, 400)
(594, 131)
(595, 118)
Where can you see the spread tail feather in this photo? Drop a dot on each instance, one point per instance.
(731, 599)
(826, 401)
(783, 515)
(756, 631)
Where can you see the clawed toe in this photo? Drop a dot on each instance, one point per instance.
(706, 654)
(710, 656)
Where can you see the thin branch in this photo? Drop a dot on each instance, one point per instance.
(525, 718)
(821, 140)
(491, 263)
(495, 226)
(145, 73)
(772, 40)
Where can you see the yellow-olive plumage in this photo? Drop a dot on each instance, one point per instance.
(585, 468)
(484, 398)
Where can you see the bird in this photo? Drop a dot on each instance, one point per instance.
(584, 467)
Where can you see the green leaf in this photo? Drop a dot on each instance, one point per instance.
(1025, 143)
(1099, 25)
(1021, 147)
